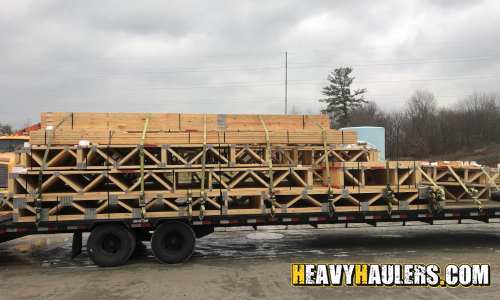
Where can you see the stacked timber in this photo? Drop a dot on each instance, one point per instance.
(93, 168)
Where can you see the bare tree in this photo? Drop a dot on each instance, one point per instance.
(420, 111)
(6, 129)
(309, 111)
(367, 115)
(27, 124)
(295, 110)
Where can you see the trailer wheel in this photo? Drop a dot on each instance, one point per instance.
(173, 242)
(110, 245)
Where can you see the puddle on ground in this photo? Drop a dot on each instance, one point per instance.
(41, 242)
(264, 236)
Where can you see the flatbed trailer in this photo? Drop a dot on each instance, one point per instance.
(182, 231)
(125, 181)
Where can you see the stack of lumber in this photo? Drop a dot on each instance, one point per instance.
(93, 172)
(182, 122)
(100, 137)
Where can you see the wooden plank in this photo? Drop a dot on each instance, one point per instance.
(182, 122)
(73, 137)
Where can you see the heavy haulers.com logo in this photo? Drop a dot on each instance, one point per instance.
(390, 275)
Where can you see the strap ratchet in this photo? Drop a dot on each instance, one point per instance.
(203, 161)
(272, 195)
(38, 195)
(142, 202)
(331, 205)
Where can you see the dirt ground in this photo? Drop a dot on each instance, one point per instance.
(242, 263)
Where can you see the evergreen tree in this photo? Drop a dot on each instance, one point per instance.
(339, 98)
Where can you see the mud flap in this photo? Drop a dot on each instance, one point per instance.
(76, 246)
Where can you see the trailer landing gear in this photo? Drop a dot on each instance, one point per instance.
(110, 245)
(76, 246)
(173, 242)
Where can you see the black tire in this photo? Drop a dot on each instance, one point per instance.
(495, 196)
(110, 245)
(134, 243)
(173, 242)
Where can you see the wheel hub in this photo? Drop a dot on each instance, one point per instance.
(110, 244)
(174, 241)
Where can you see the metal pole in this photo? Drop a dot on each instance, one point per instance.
(286, 79)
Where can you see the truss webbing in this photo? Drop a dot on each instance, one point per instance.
(331, 206)
(490, 179)
(472, 191)
(428, 177)
(436, 193)
(37, 199)
(142, 202)
(3, 200)
(203, 161)
(271, 182)
(390, 190)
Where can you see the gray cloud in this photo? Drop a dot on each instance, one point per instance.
(207, 38)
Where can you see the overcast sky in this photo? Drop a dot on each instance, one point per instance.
(229, 56)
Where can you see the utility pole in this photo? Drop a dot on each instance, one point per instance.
(286, 78)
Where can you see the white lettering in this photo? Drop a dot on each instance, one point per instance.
(336, 274)
(419, 275)
(451, 275)
(465, 275)
(348, 271)
(433, 278)
(310, 274)
(408, 274)
(480, 274)
(388, 274)
(374, 276)
(322, 275)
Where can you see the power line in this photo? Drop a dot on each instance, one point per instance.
(22, 88)
(139, 103)
(415, 45)
(319, 80)
(429, 79)
(244, 66)
(426, 76)
(160, 71)
(392, 60)
(242, 55)
(233, 101)
(138, 71)
(453, 57)
(150, 57)
(403, 63)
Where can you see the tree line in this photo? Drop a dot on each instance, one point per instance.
(421, 128)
